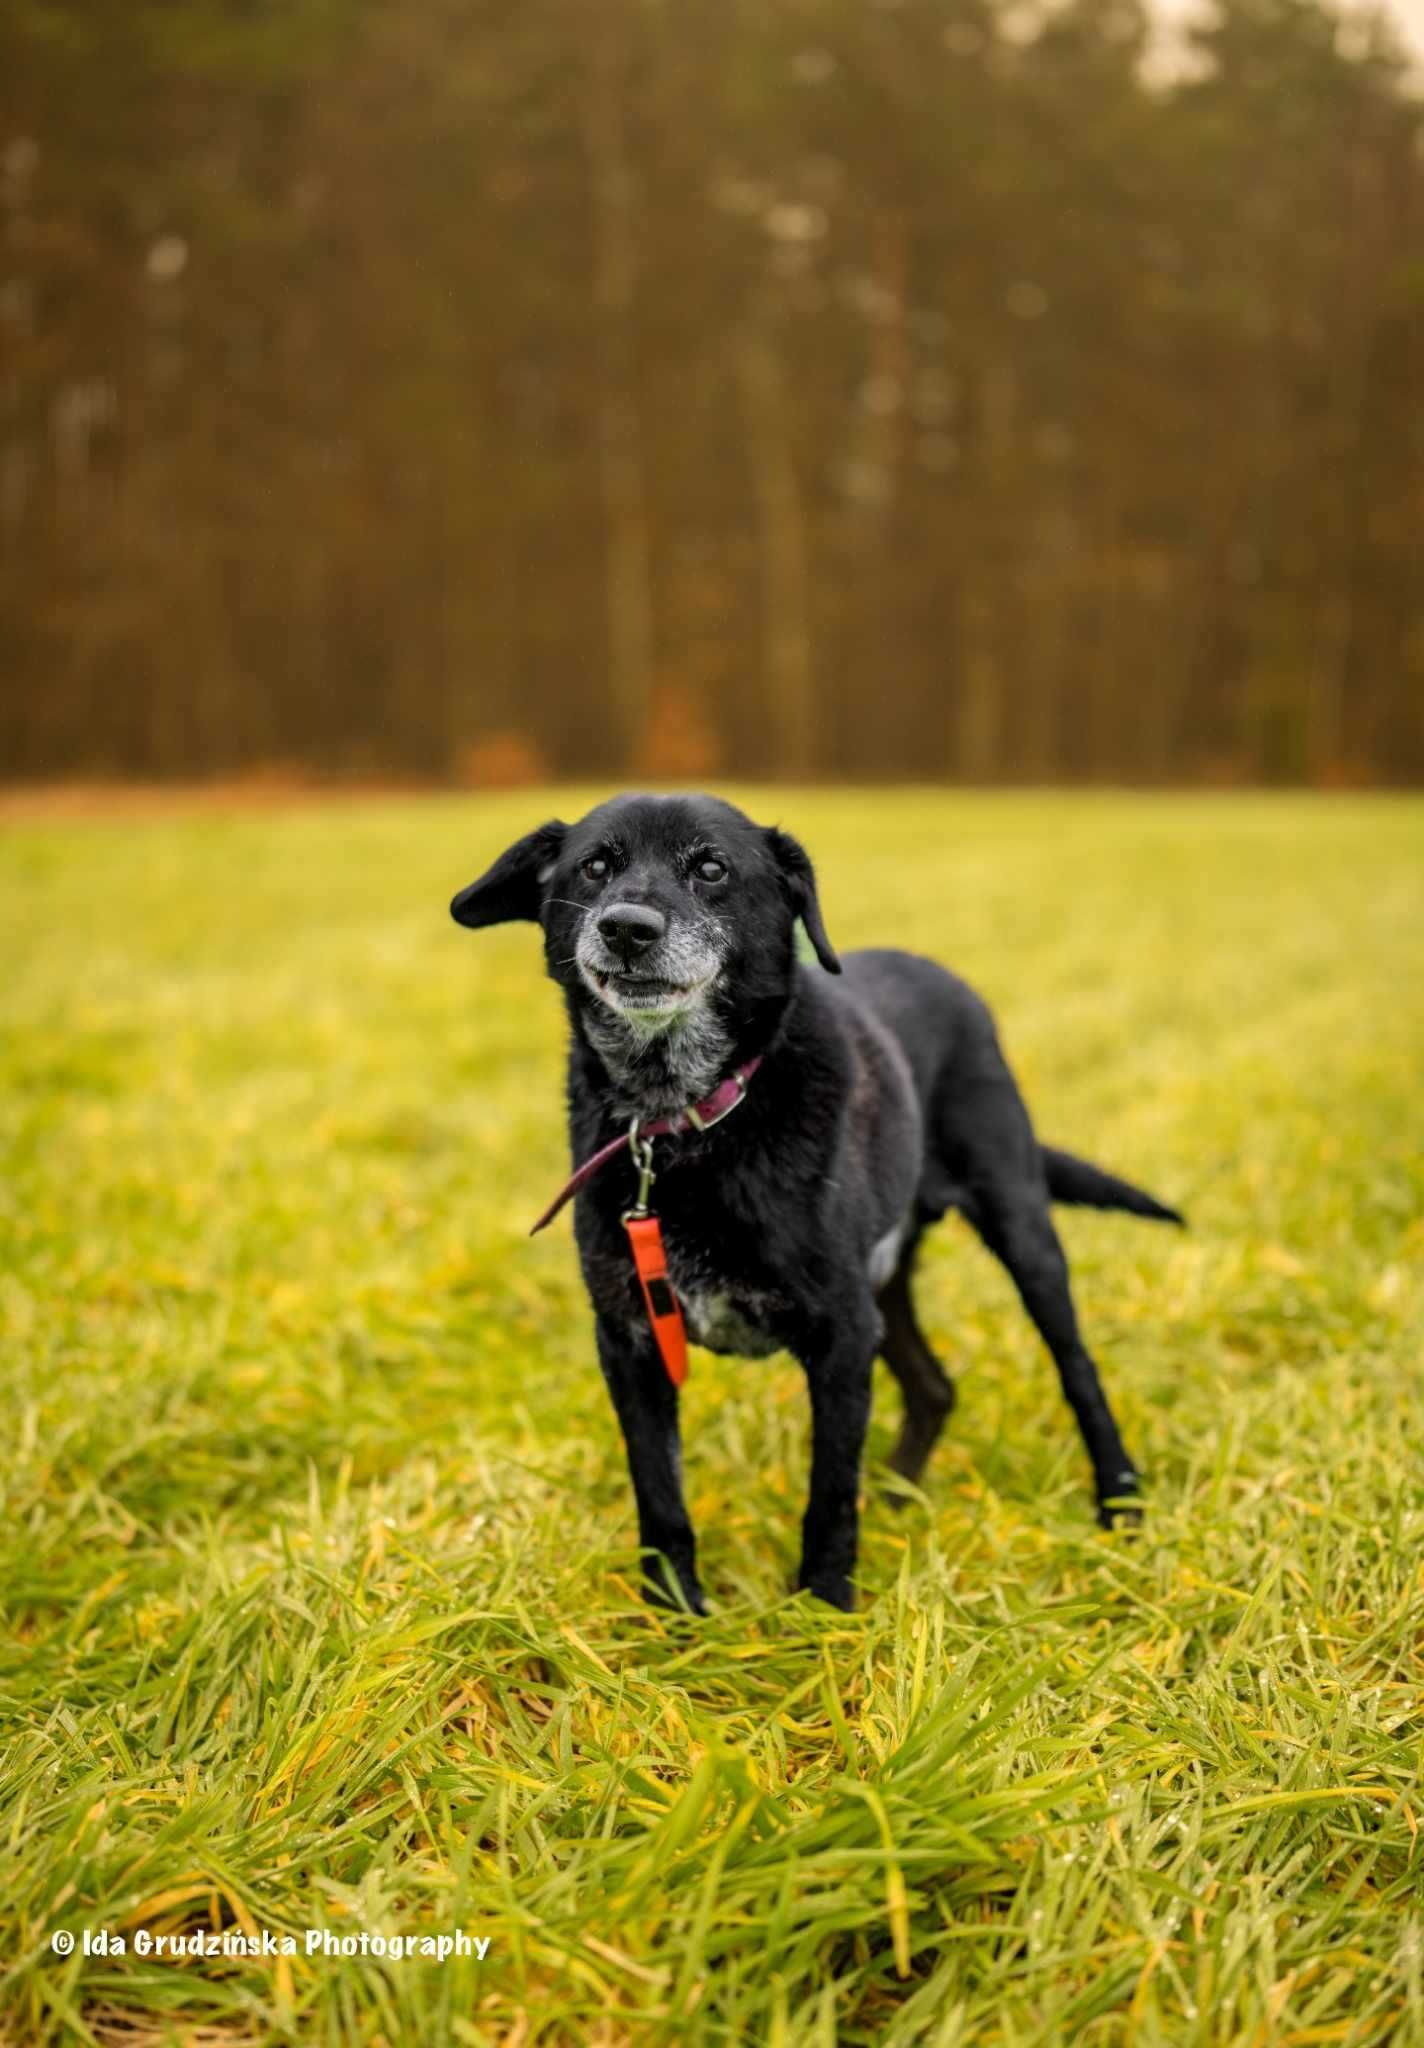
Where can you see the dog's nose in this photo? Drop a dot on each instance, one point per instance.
(628, 929)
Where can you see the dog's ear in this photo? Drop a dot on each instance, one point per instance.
(510, 890)
(800, 879)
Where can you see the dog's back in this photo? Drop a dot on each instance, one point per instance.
(940, 1023)
(968, 1098)
(947, 1036)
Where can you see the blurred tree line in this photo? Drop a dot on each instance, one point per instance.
(800, 387)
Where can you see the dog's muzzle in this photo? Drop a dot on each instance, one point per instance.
(641, 966)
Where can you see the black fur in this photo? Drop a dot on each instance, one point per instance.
(883, 1100)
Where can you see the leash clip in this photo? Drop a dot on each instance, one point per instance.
(642, 1151)
(650, 1263)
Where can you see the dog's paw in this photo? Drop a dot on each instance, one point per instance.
(674, 1594)
(834, 1590)
(1118, 1504)
(901, 1489)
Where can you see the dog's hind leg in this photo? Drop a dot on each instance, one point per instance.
(1006, 1199)
(926, 1386)
(1020, 1232)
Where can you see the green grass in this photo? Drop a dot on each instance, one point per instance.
(319, 1568)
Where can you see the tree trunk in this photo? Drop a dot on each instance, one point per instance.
(787, 668)
(628, 554)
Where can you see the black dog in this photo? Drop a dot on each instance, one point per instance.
(866, 1107)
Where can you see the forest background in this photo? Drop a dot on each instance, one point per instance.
(815, 389)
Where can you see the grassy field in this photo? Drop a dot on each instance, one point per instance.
(319, 1577)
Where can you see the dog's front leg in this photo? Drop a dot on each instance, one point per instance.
(838, 1371)
(646, 1403)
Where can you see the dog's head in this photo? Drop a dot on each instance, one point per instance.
(663, 916)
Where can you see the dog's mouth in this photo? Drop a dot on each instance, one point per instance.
(629, 991)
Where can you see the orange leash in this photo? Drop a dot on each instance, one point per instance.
(664, 1310)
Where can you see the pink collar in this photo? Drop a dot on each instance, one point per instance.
(698, 1116)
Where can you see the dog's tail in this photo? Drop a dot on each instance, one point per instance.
(1087, 1187)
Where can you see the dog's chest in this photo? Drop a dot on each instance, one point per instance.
(720, 1322)
(721, 1314)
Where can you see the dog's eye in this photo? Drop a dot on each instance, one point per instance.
(711, 869)
(594, 869)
